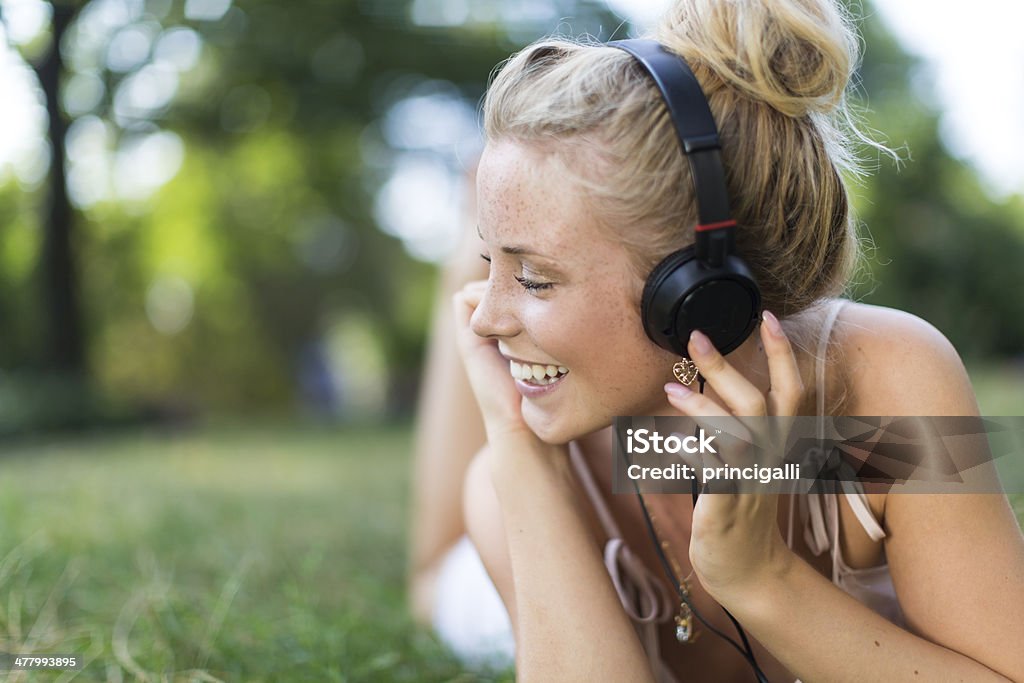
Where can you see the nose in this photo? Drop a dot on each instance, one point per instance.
(492, 317)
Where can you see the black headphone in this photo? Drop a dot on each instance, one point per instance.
(705, 286)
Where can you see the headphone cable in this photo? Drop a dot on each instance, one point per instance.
(745, 650)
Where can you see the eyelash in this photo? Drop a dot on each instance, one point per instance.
(527, 283)
(531, 285)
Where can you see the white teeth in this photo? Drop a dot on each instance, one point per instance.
(536, 374)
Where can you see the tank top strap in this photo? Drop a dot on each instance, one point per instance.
(820, 358)
(813, 515)
(644, 598)
(641, 592)
(819, 514)
(586, 478)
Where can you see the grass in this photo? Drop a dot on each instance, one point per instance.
(261, 554)
(257, 554)
(999, 387)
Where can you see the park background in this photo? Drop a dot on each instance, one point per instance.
(220, 230)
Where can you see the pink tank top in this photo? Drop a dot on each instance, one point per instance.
(648, 603)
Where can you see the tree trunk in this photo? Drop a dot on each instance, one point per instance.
(64, 337)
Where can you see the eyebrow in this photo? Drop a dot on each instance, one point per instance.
(518, 251)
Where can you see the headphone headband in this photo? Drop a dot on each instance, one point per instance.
(698, 138)
(707, 286)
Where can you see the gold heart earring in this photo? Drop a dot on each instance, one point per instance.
(685, 371)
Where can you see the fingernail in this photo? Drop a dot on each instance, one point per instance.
(677, 390)
(700, 342)
(772, 322)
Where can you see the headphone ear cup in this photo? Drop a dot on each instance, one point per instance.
(658, 305)
(682, 295)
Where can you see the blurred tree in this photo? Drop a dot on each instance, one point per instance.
(64, 334)
(225, 161)
(940, 246)
(250, 254)
(64, 339)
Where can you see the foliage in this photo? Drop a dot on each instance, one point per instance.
(941, 247)
(241, 283)
(268, 229)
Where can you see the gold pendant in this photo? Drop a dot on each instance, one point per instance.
(685, 371)
(684, 624)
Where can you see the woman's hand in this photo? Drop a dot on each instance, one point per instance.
(735, 540)
(510, 440)
(488, 370)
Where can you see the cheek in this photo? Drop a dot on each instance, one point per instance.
(635, 381)
(616, 370)
(619, 368)
(632, 368)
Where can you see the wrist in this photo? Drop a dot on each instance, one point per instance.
(514, 433)
(519, 459)
(760, 588)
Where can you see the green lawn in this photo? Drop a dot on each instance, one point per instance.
(262, 554)
(1000, 388)
(239, 554)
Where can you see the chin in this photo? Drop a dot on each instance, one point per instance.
(556, 429)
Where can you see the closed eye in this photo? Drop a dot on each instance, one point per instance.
(528, 284)
(532, 285)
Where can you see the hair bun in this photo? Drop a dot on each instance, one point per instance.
(797, 56)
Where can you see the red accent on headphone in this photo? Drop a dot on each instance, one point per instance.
(715, 226)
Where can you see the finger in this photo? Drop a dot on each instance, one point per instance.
(464, 304)
(690, 403)
(466, 300)
(472, 293)
(698, 460)
(475, 286)
(742, 397)
(701, 408)
(463, 308)
(735, 443)
(786, 388)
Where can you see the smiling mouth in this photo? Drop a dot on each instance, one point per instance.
(539, 375)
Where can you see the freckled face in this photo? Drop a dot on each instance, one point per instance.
(577, 308)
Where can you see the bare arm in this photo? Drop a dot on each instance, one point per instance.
(449, 430)
(957, 560)
(524, 518)
(568, 619)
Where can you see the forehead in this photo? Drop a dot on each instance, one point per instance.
(527, 196)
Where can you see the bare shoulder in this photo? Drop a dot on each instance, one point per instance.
(968, 545)
(896, 363)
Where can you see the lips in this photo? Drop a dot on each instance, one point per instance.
(535, 389)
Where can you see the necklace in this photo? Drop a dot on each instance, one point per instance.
(686, 631)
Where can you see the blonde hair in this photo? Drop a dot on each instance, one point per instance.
(775, 73)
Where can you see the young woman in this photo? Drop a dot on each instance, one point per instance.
(582, 189)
